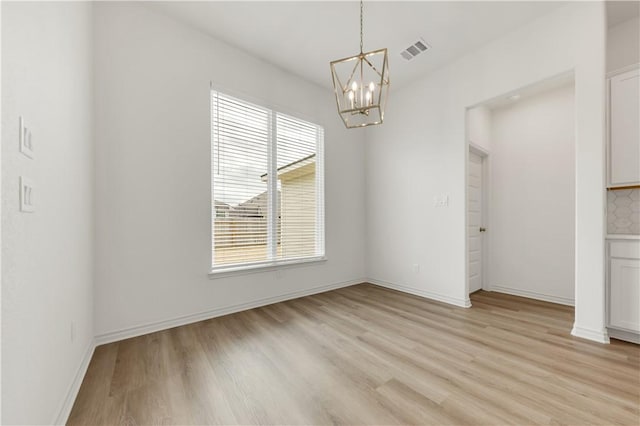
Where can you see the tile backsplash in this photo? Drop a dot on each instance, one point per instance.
(623, 211)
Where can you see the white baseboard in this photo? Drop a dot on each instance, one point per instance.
(74, 388)
(532, 295)
(600, 336)
(140, 330)
(628, 336)
(463, 303)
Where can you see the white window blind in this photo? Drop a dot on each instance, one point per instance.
(267, 185)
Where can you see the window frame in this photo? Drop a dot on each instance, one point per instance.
(220, 271)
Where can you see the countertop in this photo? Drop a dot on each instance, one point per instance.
(623, 237)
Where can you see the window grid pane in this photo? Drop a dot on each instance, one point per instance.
(240, 137)
(296, 148)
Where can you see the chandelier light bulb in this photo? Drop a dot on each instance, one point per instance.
(372, 86)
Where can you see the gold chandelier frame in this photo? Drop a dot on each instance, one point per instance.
(361, 85)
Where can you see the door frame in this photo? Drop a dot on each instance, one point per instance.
(486, 197)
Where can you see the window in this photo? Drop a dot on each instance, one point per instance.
(267, 186)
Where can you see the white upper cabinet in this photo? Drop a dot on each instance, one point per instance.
(624, 129)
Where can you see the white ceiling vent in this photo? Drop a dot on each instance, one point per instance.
(415, 49)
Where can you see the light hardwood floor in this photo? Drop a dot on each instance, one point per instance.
(367, 355)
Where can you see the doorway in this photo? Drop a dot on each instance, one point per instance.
(520, 182)
(476, 226)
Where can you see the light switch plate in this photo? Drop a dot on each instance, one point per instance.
(26, 195)
(26, 140)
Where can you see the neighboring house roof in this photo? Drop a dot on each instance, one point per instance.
(253, 207)
(221, 205)
(302, 166)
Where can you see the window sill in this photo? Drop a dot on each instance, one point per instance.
(229, 271)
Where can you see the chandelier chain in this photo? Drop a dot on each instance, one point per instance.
(361, 26)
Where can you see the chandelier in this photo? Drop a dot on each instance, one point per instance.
(361, 85)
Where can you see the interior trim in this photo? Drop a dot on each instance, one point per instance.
(463, 303)
(600, 336)
(74, 387)
(151, 327)
(533, 295)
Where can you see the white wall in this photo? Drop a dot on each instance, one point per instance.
(153, 226)
(623, 44)
(47, 255)
(532, 203)
(421, 152)
(0, 215)
(479, 127)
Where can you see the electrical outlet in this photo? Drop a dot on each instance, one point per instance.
(416, 268)
(26, 140)
(441, 200)
(26, 195)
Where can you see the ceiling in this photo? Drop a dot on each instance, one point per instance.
(620, 11)
(303, 37)
(515, 96)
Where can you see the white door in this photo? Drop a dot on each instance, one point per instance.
(474, 221)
